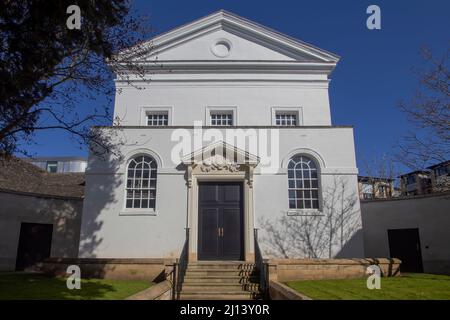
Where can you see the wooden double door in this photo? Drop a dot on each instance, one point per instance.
(220, 221)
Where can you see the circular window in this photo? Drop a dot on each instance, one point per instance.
(221, 48)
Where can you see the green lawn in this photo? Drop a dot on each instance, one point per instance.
(36, 286)
(408, 286)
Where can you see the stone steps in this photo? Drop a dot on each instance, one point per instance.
(219, 287)
(220, 280)
(216, 296)
(218, 273)
(220, 265)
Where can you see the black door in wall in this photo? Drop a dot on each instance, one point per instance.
(405, 245)
(220, 221)
(35, 242)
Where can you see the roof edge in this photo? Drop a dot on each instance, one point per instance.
(41, 195)
(230, 127)
(223, 17)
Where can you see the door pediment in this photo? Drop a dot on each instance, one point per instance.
(221, 155)
(218, 162)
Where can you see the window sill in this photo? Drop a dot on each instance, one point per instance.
(304, 212)
(139, 212)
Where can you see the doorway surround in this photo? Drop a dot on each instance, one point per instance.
(220, 162)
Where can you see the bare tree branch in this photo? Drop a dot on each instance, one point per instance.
(49, 71)
(429, 111)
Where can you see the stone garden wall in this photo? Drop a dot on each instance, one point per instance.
(314, 269)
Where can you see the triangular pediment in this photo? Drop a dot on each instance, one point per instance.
(224, 45)
(223, 36)
(221, 154)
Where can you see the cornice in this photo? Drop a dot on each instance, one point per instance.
(235, 66)
(230, 127)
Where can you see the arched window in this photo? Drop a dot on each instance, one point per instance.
(141, 183)
(303, 183)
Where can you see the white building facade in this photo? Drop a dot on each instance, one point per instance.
(229, 126)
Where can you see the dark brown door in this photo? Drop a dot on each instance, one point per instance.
(220, 221)
(35, 243)
(404, 244)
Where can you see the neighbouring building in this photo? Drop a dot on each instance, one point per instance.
(415, 183)
(60, 164)
(440, 176)
(414, 229)
(230, 125)
(375, 188)
(40, 214)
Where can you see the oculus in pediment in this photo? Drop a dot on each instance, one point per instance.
(252, 41)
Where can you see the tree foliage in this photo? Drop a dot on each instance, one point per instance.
(46, 69)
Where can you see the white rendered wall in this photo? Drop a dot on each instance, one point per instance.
(63, 213)
(252, 90)
(254, 102)
(108, 231)
(427, 213)
(261, 72)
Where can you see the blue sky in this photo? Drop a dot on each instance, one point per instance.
(375, 68)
